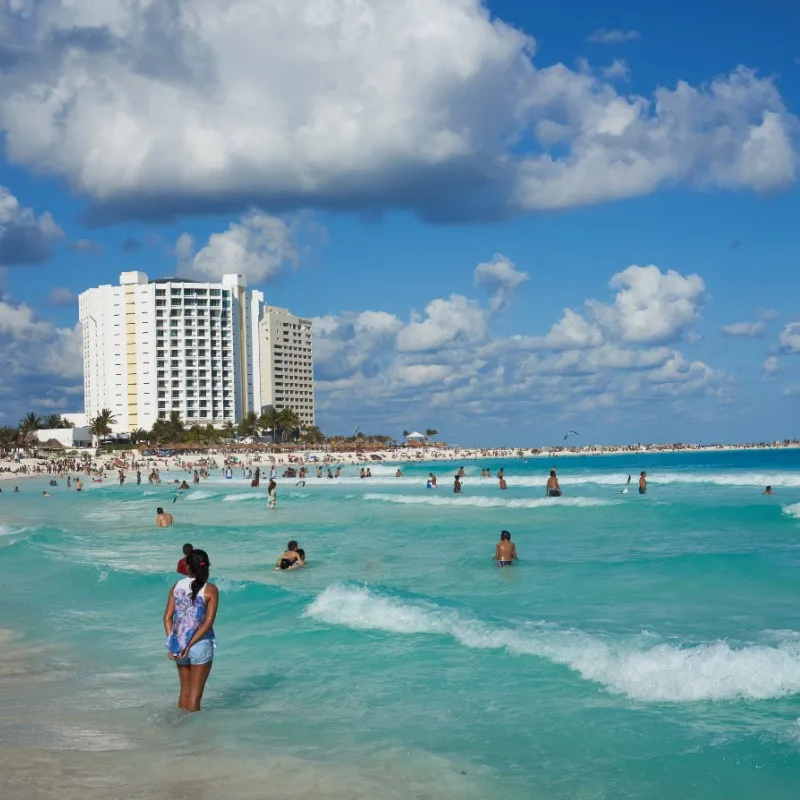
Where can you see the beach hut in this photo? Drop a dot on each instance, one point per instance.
(52, 444)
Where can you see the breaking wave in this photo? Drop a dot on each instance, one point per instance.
(660, 673)
(487, 502)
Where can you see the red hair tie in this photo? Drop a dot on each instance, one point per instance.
(201, 564)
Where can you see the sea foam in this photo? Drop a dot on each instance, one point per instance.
(792, 510)
(487, 502)
(662, 673)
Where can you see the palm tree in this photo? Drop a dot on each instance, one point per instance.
(228, 430)
(139, 435)
(161, 431)
(101, 424)
(313, 435)
(289, 423)
(270, 420)
(30, 423)
(210, 434)
(52, 421)
(431, 433)
(249, 424)
(176, 430)
(8, 436)
(195, 434)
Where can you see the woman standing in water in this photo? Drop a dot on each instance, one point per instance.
(188, 622)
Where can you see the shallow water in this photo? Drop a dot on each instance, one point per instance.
(643, 646)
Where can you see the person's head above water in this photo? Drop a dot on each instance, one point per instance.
(159, 510)
(552, 473)
(187, 548)
(505, 536)
(198, 564)
(292, 545)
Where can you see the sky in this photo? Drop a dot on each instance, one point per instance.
(507, 219)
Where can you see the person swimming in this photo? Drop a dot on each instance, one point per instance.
(643, 483)
(768, 490)
(291, 557)
(552, 489)
(505, 553)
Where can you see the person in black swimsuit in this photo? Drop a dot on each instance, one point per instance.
(553, 489)
(505, 553)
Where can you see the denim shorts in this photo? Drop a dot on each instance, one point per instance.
(201, 652)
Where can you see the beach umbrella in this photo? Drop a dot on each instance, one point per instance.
(415, 435)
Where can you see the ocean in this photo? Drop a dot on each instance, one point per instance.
(643, 646)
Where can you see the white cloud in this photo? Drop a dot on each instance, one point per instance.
(501, 277)
(791, 391)
(447, 358)
(24, 237)
(767, 314)
(160, 108)
(617, 69)
(771, 367)
(445, 322)
(258, 247)
(744, 329)
(651, 306)
(790, 338)
(605, 36)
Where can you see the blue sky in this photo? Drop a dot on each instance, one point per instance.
(435, 184)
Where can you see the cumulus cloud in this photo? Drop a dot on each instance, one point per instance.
(790, 338)
(614, 36)
(164, 108)
(617, 69)
(771, 367)
(744, 329)
(501, 278)
(258, 247)
(37, 358)
(447, 361)
(25, 238)
(767, 314)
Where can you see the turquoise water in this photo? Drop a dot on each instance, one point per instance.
(643, 646)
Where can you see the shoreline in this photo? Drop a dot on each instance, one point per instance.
(311, 459)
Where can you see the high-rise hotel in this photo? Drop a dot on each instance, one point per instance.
(210, 351)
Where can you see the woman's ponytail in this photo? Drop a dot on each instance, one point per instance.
(198, 564)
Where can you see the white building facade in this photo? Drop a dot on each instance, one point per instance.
(154, 347)
(287, 363)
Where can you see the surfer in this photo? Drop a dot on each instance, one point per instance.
(552, 489)
(188, 623)
(643, 483)
(163, 520)
(505, 553)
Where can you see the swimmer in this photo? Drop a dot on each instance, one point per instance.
(399, 473)
(460, 472)
(163, 520)
(643, 483)
(182, 567)
(272, 493)
(184, 485)
(291, 557)
(503, 484)
(431, 484)
(552, 489)
(768, 490)
(78, 485)
(46, 494)
(456, 485)
(505, 553)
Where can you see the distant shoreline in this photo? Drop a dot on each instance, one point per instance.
(393, 456)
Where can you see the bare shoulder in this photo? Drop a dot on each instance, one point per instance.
(212, 589)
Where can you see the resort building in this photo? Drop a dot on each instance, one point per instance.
(154, 347)
(287, 363)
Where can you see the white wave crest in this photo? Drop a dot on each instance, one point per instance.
(754, 479)
(663, 673)
(792, 510)
(197, 494)
(478, 501)
(235, 498)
